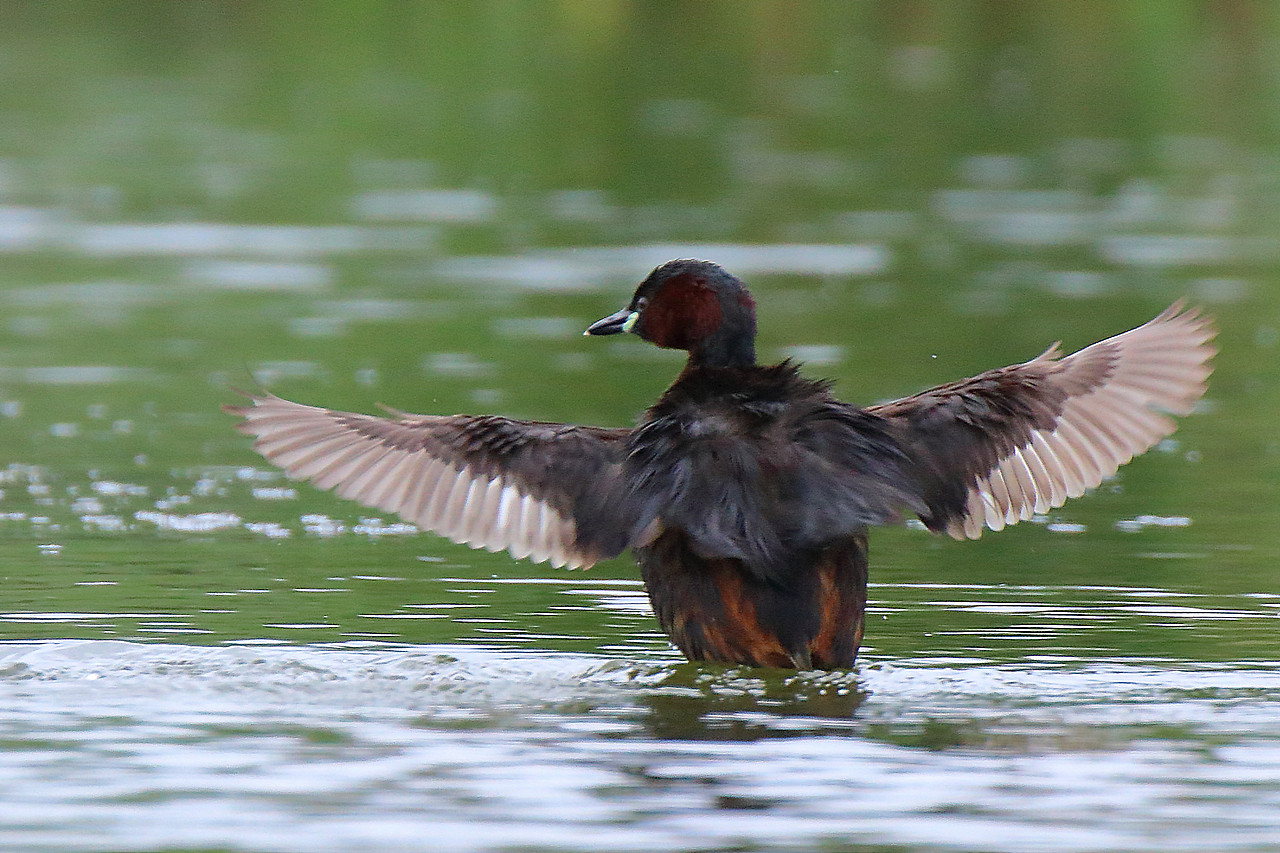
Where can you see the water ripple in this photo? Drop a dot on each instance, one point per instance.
(383, 746)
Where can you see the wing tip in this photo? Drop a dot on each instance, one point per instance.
(255, 401)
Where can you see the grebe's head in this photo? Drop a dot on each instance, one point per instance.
(691, 305)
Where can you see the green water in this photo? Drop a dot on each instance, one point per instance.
(424, 205)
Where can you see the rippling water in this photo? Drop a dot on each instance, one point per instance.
(114, 745)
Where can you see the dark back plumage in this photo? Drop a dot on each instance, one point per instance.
(761, 465)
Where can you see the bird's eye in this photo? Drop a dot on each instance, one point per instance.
(641, 304)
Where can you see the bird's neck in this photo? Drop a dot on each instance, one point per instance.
(723, 351)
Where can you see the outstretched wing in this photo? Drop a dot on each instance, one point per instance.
(1016, 441)
(486, 481)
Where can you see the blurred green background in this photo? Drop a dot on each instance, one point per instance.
(423, 204)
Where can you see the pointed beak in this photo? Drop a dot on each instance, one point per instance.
(614, 324)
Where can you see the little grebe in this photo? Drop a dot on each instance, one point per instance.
(746, 491)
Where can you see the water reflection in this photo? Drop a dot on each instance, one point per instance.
(711, 703)
(92, 374)
(589, 268)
